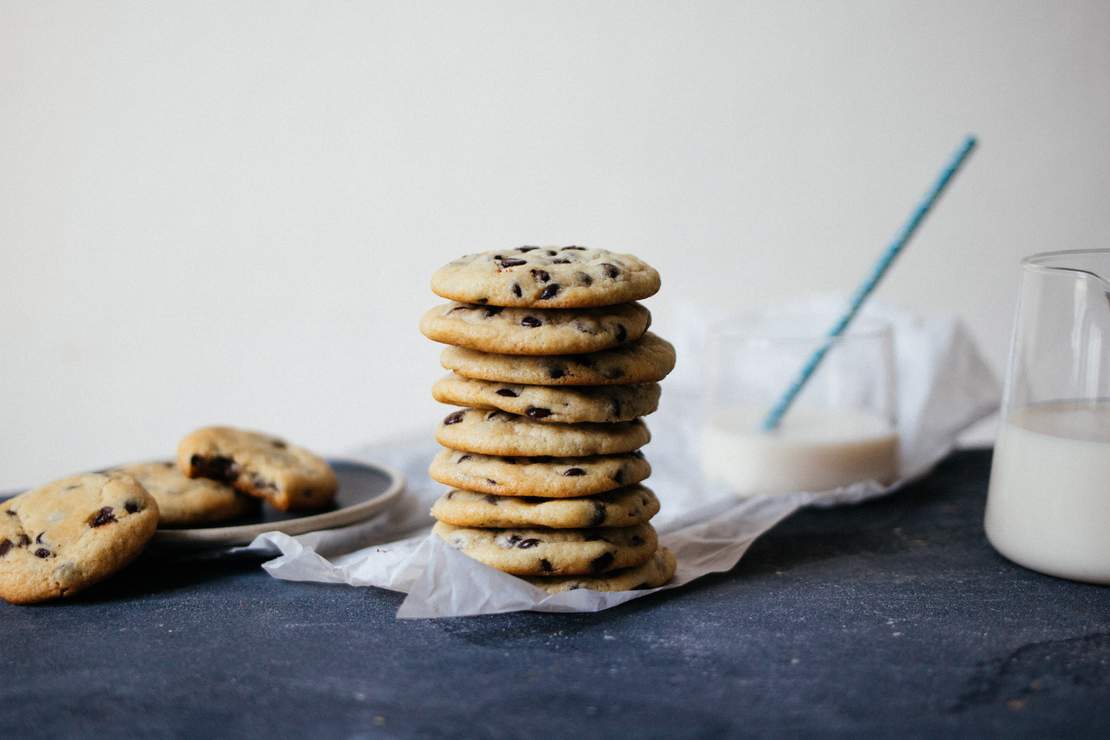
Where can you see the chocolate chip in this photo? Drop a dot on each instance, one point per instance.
(561, 261)
(459, 308)
(638, 453)
(554, 372)
(622, 333)
(24, 540)
(496, 501)
(38, 538)
(461, 459)
(601, 563)
(549, 292)
(583, 278)
(491, 481)
(584, 360)
(541, 276)
(450, 495)
(131, 507)
(259, 482)
(528, 543)
(618, 477)
(599, 514)
(99, 519)
(512, 540)
(5, 547)
(610, 271)
(511, 262)
(42, 552)
(530, 321)
(9, 512)
(534, 412)
(278, 444)
(545, 565)
(526, 249)
(216, 467)
(573, 472)
(616, 402)
(454, 418)
(637, 540)
(551, 252)
(516, 290)
(483, 301)
(579, 249)
(493, 311)
(507, 392)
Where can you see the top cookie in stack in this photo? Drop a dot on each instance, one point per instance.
(554, 365)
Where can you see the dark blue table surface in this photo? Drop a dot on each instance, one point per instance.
(889, 618)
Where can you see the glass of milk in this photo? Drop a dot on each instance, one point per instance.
(1048, 506)
(840, 429)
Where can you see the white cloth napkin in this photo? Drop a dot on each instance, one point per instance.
(944, 386)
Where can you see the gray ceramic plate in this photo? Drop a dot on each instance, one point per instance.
(365, 489)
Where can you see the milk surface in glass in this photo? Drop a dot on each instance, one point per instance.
(1049, 502)
(813, 449)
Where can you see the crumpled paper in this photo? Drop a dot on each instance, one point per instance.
(944, 387)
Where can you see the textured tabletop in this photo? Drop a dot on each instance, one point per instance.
(891, 617)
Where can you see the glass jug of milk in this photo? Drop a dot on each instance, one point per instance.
(1048, 507)
(840, 429)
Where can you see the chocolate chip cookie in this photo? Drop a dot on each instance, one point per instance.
(655, 572)
(534, 331)
(183, 501)
(624, 507)
(287, 476)
(534, 552)
(67, 535)
(547, 477)
(498, 433)
(546, 277)
(566, 405)
(646, 360)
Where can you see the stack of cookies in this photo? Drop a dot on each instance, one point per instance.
(553, 364)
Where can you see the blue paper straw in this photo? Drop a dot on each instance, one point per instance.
(877, 272)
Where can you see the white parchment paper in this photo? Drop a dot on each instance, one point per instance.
(944, 386)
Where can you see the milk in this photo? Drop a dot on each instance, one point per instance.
(1049, 502)
(813, 449)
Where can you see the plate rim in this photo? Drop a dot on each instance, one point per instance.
(244, 534)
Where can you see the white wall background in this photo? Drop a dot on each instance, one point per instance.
(229, 211)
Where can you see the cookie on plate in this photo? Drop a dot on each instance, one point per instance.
(534, 331)
(546, 477)
(288, 477)
(565, 405)
(534, 552)
(646, 360)
(67, 535)
(498, 433)
(623, 507)
(653, 573)
(184, 501)
(546, 277)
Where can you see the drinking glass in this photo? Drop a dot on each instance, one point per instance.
(841, 427)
